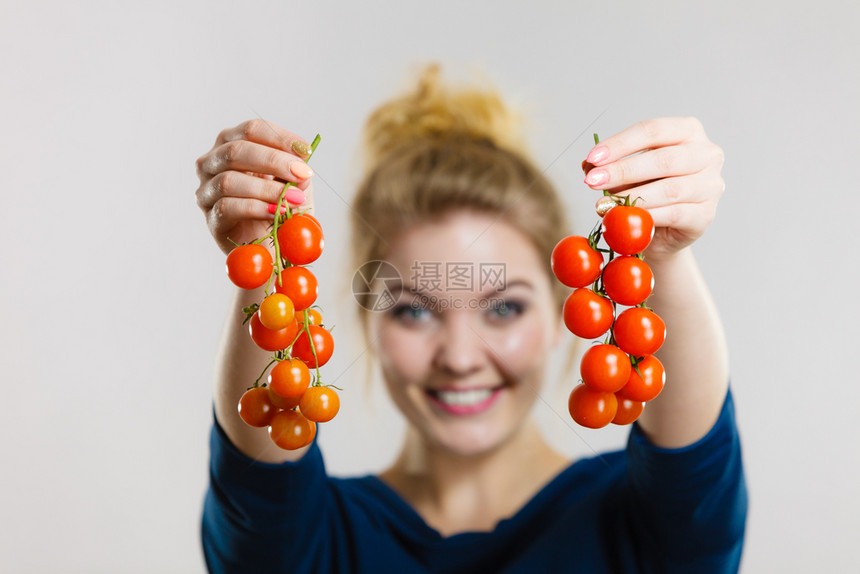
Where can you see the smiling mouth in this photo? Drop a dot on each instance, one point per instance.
(466, 401)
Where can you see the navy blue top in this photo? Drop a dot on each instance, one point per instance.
(643, 509)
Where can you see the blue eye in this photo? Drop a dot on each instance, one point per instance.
(410, 313)
(508, 310)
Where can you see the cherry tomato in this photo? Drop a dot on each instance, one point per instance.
(628, 280)
(314, 317)
(299, 284)
(313, 432)
(587, 314)
(312, 218)
(283, 402)
(300, 239)
(276, 311)
(605, 368)
(323, 344)
(255, 408)
(249, 266)
(628, 229)
(575, 263)
(647, 386)
(289, 378)
(290, 430)
(319, 404)
(270, 340)
(639, 332)
(592, 409)
(628, 410)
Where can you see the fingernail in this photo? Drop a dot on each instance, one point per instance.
(300, 148)
(301, 170)
(295, 196)
(603, 205)
(597, 177)
(597, 155)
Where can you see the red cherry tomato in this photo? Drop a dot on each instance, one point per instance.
(249, 266)
(592, 409)
(628, 229)
(276, 311)
(639, 332)
(289, 378)
(299, 284)
(605, 368)
(587, 314)
(628, 410)
(319, 404)
(290, 430)
(313, 432)
(283, 402)
(575, 263)
(647, 386)
(300, 239)
(312, 218)
(628, 280)
(255, 408)
(323, 344)
(270, 340)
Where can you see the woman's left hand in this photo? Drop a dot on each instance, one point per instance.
(672, 166)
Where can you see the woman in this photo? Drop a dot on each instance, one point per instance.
(476, 488)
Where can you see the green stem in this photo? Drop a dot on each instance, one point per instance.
(606, 192)
(279, 266)
(257, 382)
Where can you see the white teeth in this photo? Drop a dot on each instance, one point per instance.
(464, 398)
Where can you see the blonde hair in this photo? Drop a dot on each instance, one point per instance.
(440, 149)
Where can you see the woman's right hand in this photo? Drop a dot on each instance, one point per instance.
(244, 173)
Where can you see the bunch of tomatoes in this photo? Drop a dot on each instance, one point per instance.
(292, 401)
(620, 374)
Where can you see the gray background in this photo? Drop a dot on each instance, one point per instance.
(113, 293)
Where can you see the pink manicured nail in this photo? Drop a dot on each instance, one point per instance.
(301, 170)
(597, 155)
(295, 196)
(597, 177)
(273, 206)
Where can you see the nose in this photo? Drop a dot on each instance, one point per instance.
(460, 349)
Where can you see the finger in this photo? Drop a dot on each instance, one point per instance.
(670, 190)
(228, 211)
(263, 175)
(242, 155)
(622, 192)
(307, 206)
(238, 184)
(265, 133)
(671, 161)
(688, 219)
(659, 132)
(303, 185)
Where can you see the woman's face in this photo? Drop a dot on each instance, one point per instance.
(464, 349)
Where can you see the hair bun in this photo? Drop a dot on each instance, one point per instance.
(436, 111)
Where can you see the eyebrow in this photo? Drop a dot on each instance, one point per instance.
(399, 287)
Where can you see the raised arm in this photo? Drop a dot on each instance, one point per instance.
(240, 177)
(672, 166)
